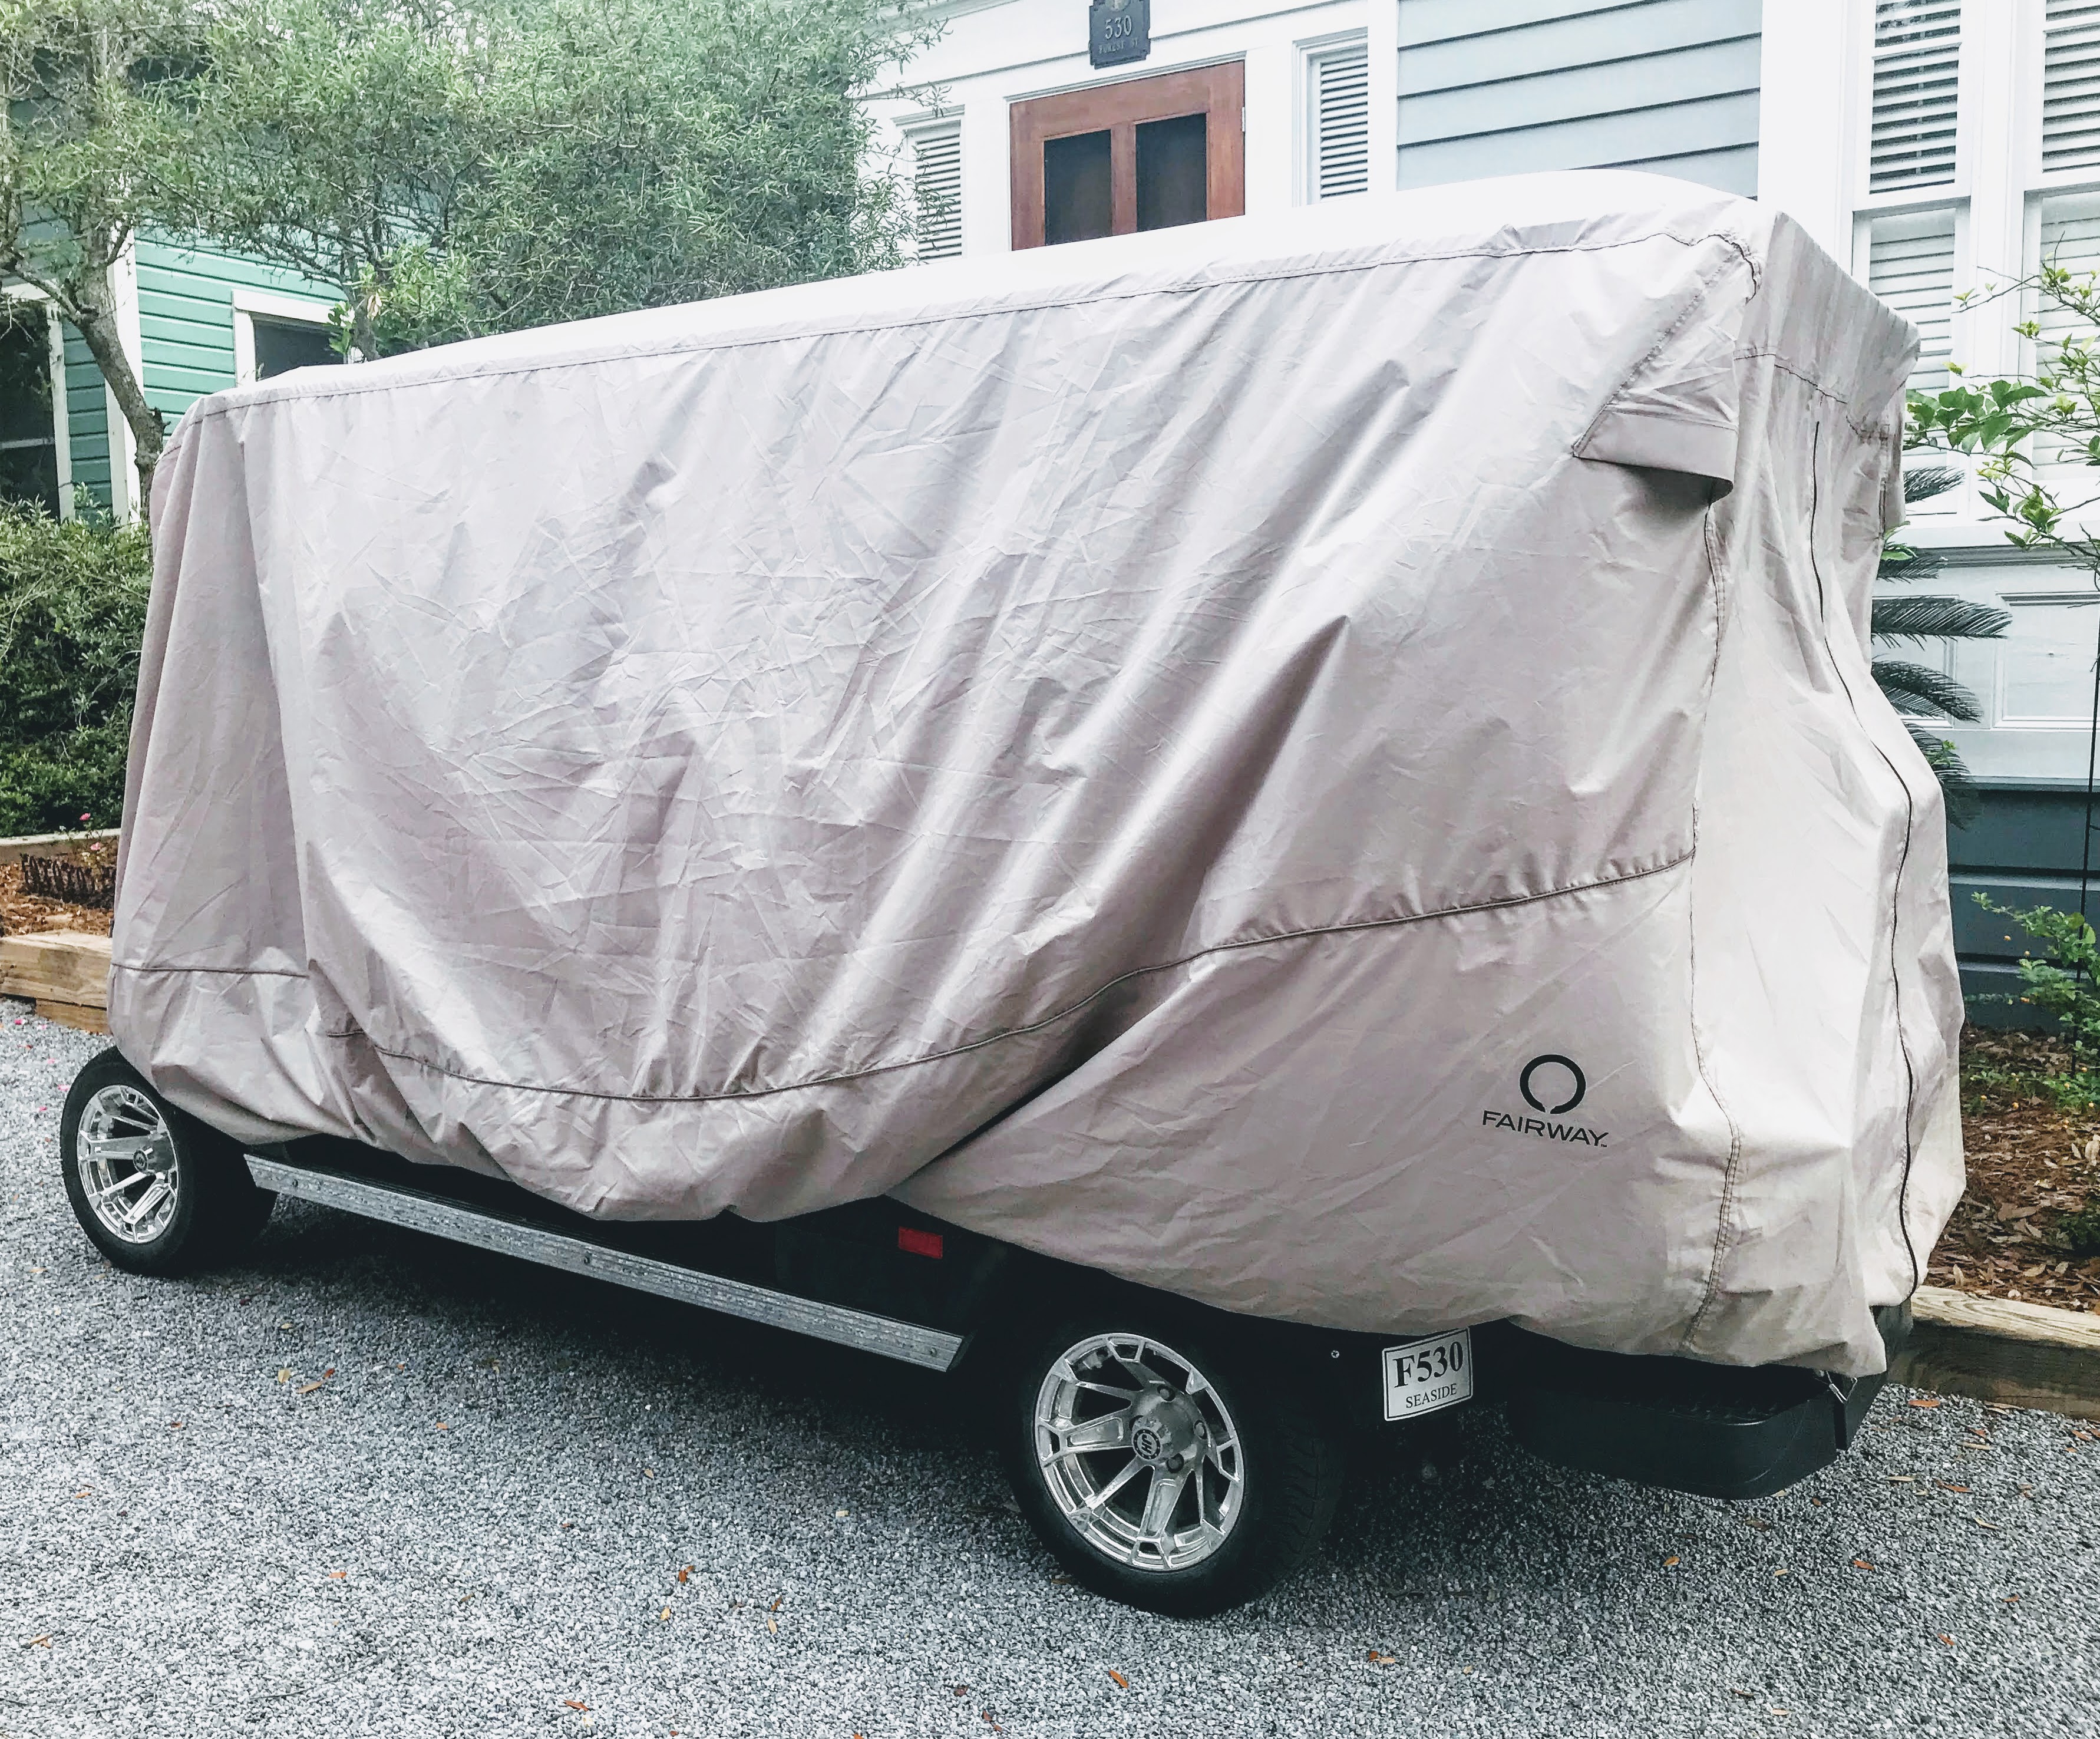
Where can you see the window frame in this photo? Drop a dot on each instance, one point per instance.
(270, 305)
(61, 411)
(1118, 107)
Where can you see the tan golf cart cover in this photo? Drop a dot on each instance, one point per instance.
(1326, 764)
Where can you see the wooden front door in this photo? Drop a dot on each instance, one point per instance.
(1142, 153)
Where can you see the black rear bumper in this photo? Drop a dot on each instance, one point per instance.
(1716, 1430)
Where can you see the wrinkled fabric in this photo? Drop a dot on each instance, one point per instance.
(1326, 764)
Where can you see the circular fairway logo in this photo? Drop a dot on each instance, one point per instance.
(1576, 1083)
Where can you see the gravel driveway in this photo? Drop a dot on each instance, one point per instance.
(371, 1483)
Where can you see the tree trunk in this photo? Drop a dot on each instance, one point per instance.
(94, 313)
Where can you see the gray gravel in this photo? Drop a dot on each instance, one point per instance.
(478, 1521)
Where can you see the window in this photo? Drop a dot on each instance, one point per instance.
(32, 447)
(274, 334)
(1910, 266)
(1338, 120)
(937, 190)
(1917, 47)
(2070, 86)
(1139, 153)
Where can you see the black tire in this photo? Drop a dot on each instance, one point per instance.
(1289, 1458)
(216, 1207)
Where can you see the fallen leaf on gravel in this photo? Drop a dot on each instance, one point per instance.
(1903, 1479)
(682, 1574)
(1758, 1522)
(1376, 1659)
(284, 1375)
(570, 1702)
(37, 1642)
(1924, 1401)
(338, 1575)
(1118, 1678)
(1774, 1709)
(773, 1625)
(1670, 1561)
(1861, 1564)
(442, 1426)
(1948, 1640)
(1779, 1573)
(649, 1473)
(1733, 1691)
(85, 1491)
(310, 1388)
(960, 1690)
(1981, 1523)
(2012, 1599)
(1944, 1486)
(775, 1606)
(1066, 1581)
(665, 1614)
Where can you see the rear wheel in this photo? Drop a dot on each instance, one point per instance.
(158, 1192)
(1163, 1462)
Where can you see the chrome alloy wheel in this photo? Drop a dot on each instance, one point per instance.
(1139, 1452)
(126, 1159)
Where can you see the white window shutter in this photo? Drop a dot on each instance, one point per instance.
(2070, 86)
(1338, 110)
(1918, 48)
(1910, 266)
(937, 190)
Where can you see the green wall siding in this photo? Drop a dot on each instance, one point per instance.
(186, 316)
(185, 336)
(87, 419)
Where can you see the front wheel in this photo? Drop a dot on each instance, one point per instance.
(1161, 1461)
(158, 1192)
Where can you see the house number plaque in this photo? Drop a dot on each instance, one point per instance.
(1119, 31)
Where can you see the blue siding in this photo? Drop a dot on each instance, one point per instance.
(1498, 87)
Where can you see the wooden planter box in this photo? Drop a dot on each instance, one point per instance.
(64, 974)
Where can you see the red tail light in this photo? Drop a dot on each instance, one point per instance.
(912, 1241)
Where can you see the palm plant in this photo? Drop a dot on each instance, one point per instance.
(1919, 692)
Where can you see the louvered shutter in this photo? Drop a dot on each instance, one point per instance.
(2070, 86)
(1910, 266)
(1339, 106)
(936, 189)
(1917, 47)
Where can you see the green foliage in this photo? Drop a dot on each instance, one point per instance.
(100, 133)
(468, 166)
(2061, 984)
(73, 609)
(2080, 1230)
(1917, 691)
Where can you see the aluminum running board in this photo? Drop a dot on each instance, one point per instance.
(931, 1348)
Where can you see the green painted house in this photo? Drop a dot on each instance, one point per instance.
(194, 320)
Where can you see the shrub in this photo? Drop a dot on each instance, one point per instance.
(2061, 983)
(73, 610)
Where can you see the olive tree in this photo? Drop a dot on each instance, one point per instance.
(99, 132)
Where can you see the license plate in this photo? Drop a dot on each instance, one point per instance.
(1427, 1374)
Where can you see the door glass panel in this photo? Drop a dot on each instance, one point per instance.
(1173, 168)
(1076, 188)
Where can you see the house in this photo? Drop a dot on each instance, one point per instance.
(194, 319)
(1935, 146)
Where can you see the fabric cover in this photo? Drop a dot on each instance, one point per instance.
(1327, 764)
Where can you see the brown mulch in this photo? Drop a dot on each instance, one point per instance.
(24, 914)
(2030, 1163)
